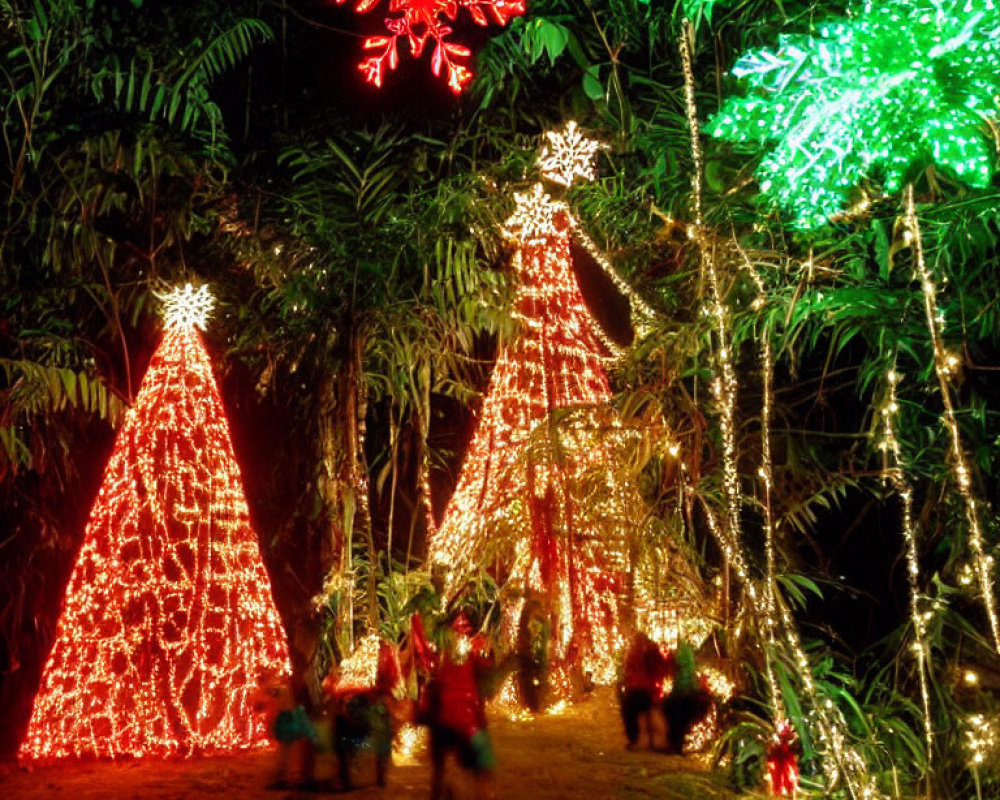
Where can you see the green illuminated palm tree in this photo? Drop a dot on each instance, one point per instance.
(870, 100)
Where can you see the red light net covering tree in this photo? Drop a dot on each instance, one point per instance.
(168, 619)
(539, 498)
(423, 21)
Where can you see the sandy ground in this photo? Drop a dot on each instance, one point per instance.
(579, 753)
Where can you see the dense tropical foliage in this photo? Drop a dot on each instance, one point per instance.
(353, 241)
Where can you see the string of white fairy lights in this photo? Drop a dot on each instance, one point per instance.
(944, 364)
(725, 386)
(894, 472)
(766, 473)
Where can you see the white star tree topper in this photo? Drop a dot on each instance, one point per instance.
(569, 155)
(533, 219)
(186, 306)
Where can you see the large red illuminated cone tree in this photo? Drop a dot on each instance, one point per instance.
(539, 500)
(168, 620)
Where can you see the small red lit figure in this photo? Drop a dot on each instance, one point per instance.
(783, 761)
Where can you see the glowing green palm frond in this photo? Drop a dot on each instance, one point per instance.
(879, 96)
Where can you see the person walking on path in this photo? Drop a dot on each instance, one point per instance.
(642, 686)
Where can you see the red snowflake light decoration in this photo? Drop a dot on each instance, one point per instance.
(422, 20)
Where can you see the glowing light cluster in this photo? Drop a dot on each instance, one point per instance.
(896, 87)
(168, 620)
(980, 739)
(360, 668)
(507, 702)
(537, 217)
(423, 22)
(410, 742)
(543, 505)
(945, 364)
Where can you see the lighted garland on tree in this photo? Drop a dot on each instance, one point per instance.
(893, 471)
(842, 761)
(869, 101)
(423, 22)
(168, 620)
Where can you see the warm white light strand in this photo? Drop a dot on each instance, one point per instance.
(725, 386)
(767, 477)
(894, 471)
(944, 364)
(643, 315)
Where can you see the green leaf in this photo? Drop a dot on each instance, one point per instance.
(592, 85)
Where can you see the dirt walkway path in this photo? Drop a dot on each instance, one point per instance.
(578, 753)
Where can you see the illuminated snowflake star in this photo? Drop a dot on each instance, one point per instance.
(534, 218)
(420, 21)
(186, 306)
(569, 155)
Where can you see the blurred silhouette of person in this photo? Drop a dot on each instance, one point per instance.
(365, 715)
(533, 634)
(689, 700)
(454, 708)
(642, 686)
(290, 726)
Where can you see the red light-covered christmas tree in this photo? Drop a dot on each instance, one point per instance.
(539, 498)
(168, 619)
